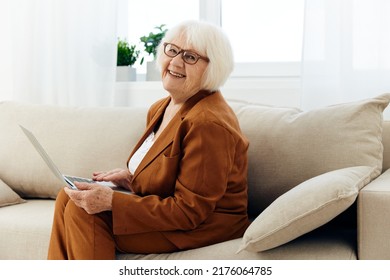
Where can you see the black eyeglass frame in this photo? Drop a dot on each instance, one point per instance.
(183, 53)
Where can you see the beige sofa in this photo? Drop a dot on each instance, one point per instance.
(318, 181)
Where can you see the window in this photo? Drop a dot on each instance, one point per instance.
(264, 30)
(144, 16)
(266, 35)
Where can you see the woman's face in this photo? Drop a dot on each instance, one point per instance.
(180, 79)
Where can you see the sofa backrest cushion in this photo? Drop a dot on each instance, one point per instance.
(79, 140)
(289, 146)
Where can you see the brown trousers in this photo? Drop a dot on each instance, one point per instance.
(79, 235)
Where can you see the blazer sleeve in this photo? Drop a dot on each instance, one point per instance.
(206, 158)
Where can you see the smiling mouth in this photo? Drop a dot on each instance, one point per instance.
(177, 75)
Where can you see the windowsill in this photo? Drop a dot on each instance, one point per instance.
(276, 91)
(257, 71)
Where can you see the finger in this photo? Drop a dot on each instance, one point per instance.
(105, 176)
(100, 175)
(116, 178)
(73, 195)
(68, 191)
(83, 186)
(97, 176)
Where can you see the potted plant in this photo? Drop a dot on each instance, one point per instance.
(151, 42)
(127, 55)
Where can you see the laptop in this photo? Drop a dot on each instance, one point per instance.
(66, 179)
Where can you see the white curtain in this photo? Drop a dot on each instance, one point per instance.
(58, 51)
(346, 54)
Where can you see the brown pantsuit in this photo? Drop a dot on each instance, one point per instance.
(91, 236)
(190, 189)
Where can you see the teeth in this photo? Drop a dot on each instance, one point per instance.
(176, 74)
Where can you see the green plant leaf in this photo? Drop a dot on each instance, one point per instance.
(127, 54)
(152, 40)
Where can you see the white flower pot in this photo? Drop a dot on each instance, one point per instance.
(152, 73)
(125, 74)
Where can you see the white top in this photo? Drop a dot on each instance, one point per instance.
(138, 156)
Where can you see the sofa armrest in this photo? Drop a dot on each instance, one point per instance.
(374, 219)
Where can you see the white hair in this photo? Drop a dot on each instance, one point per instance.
(209, 40)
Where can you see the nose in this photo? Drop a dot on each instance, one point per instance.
(177, 60)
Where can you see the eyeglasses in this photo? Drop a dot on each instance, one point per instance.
(188, 57)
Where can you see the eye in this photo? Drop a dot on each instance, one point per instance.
(172, 50)
(190, 57)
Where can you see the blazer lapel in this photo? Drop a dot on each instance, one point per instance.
(167, 136)
(157, 116)
(163, 141)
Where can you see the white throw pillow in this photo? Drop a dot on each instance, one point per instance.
(306, 207)
(8, 196)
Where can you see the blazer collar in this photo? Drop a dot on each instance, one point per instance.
(166, 137)
(187, 106)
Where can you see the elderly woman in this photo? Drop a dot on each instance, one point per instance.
(187, 173)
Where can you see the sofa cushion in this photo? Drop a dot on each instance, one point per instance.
(25, 230)
(289, 146)
(306, 207)
(79, 140)
(321, 244)
(8, 196)
(19, 224)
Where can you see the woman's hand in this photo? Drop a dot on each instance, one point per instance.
(119, 177)
(93, 198)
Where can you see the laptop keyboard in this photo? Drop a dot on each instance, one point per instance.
(78, 179)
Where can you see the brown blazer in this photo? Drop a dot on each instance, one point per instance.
(192, 184)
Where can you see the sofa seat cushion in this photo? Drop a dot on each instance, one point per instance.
(321, 244)
(25, 229)
(25, 232)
